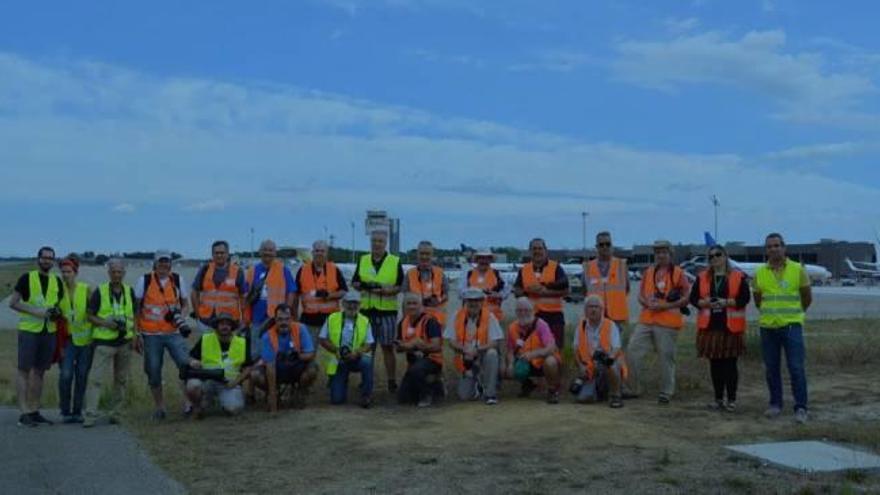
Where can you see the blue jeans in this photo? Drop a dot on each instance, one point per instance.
(154, 352)
(790, 339)
(74, 367)
(339, 381)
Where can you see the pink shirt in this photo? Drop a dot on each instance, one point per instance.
(544, 334)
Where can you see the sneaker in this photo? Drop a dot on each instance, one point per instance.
(616, 402)
(553, 397)
(526, 390)
(39, 419)
(730, 406)
(187, 410)
(663, 400)
(716, 405)
(158, 415)
(801, 416)
(392, 386)
(772, 412)
(68, 419)
(366, 402)
(426, 401)
(491, 401)
(89, 420)
(26, 420)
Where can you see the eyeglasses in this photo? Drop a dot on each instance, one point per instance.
(603, 244)
(715, 255)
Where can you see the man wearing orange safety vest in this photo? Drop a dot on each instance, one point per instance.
(419, 337)
(269, 283)
(488, 280)
(428, 280)
(545, 283)
(319, 287)
(162, 301)
(599, 356)
(607, 277)
(664, 292)
(218, 287)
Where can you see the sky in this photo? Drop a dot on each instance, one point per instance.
(142, 125)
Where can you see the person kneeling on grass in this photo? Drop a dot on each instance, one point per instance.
(219, 363)
(418, 335)
(475, 336)
(599, 357)
(287, 357)
(532, 352)
(348, 341)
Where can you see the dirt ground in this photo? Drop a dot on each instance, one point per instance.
(528, 446)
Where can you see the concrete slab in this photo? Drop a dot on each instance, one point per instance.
(811, 456)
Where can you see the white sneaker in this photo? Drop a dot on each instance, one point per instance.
(801, 416)
(426, 402)
(772, 412)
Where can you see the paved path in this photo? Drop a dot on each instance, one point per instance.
(68, 459)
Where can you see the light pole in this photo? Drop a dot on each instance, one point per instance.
(352, 242)
(584, 216)
(251, 255)
(715, 205)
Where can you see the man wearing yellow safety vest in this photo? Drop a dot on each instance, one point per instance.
(347, 340)
(37, 298)
(219, 363)
(428, 280)
(378, 277)
(782, 294)
(218, 287)
(77, 355)
(111, 311)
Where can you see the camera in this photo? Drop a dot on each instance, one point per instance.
(321, 294)
(120, 324)
(288, 356)
(173, 316)
(674, 295)
(54, 313)
(602, 357)
(344, 352)
(187, 372)
(576, 385)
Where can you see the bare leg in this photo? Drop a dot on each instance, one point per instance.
(21, 388)
(35, 389)
(390, 360)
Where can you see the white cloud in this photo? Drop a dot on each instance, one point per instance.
(554, 61)
(818, 151)
(124, 208)
(799, 83)
(154, 141)
(676, 25)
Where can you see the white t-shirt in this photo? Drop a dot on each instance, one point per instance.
(347, 332)
(593, 334)
(495, 332)
(183, 290)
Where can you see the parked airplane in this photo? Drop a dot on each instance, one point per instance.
(867, 268)
(815, 272)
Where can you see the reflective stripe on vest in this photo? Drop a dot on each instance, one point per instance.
(669, 318)
(214, 300)
(274, 286)
(487, 282)
(530, 343)
(386, 276)
(434, 287)
(334, 334)
(213, 357)
(780, 298)
(75, 310)
(309, 284)
(736, 317)
(111, 309)
(419, 331)
(155, 304)
(29, 323)
(543, 304)
(481, 335)
(612, 288)
(585, 350)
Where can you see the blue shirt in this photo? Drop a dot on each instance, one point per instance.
(284, 342)
(260, 307)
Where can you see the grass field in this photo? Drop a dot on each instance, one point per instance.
(522, 445)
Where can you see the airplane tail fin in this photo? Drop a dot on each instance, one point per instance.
(710, 241)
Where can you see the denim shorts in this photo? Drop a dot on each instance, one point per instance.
(154, 353)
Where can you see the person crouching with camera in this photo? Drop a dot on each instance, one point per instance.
(475, 337)
(599, 357)
(347, 338)
(162, 298)
(664, 298)
(287, 358)
(219, 363)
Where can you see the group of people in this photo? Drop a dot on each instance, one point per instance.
(265, 333)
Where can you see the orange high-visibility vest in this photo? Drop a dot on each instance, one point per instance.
(487, 281)
(294, 336)
(482, 335)
(310, 282)
(419, 331)
(669, 318)
(276, 287)
(736, 317)
(612, 289)
(224, 298)
(433, 287)
(585, 352)
(155, 304)
(529, 343)
(543, 304)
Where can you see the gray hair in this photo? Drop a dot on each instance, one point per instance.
(524, 302)
(425, 244)
(594, 300)
(115, 262)
(268, 244)
(412, 296)
(320, 244)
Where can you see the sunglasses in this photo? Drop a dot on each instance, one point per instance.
(716, 255)
(603, 244)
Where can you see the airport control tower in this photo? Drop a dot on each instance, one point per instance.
(379, 220)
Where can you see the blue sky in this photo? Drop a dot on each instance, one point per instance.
(130, 126)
